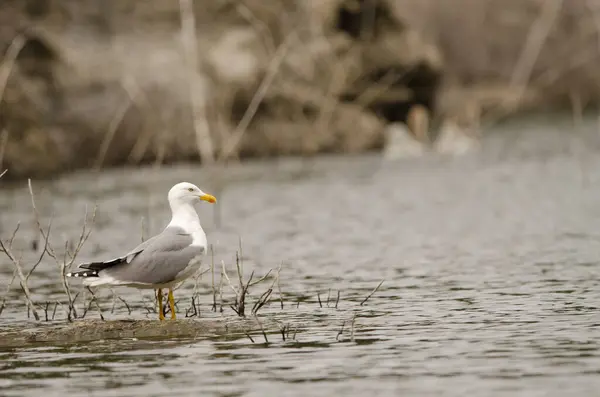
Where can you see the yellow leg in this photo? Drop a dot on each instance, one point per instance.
(161, 316)
(172, 304)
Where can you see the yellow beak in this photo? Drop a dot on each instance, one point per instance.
(207, 197)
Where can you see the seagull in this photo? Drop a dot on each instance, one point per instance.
(162, 261)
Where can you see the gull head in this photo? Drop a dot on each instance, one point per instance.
(188, 193)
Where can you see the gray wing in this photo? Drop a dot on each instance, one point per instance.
(158, 260)
(127, 258)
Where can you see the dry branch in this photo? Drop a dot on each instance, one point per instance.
(95, 301)
(44, 250)
(3, 144)
(232, 143)
(7, 291)
(262, 328)
(7, 250)
(140, 99)
(239, 306)
(7, 64)
(69, 257)
(371, 294)
(197, 101)
(212, 272)
(534, 43)
(261, 301)
(111, 132)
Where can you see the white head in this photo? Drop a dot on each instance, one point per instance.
(187, 193)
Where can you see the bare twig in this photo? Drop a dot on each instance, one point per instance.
(261, 301)
(221, 286)
(249, 337)
(14, 234)
(285, 331)
(114, 301)
(44, 250)
(239, 259)
(149, 305)
(83, 237)
(23, 280)
(241, 301)
(95, 300)
(195, 291)
(224, 274)
(341, 331)
(262, 329)
(86, 309)
(46, 311)
(212, 272)
(117, 297)
(54, 311)
(2, 173)
(242, 289)
(263, 278)
(64, 263)
(279, 285)
(193, 310)
(70, 313)
(126, 305)
(265, 297)
(372, 292)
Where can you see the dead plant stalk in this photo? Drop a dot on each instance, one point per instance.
(372, 293)
(3, 144)
(8, 63)
(534, 43)
(69, 257)
(7, 250)
(7, 291)
(240, 294)
(197, 101)
(231, 145)
(111, 132)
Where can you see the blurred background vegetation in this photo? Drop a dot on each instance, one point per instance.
(97, 83)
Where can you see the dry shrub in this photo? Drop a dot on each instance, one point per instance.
(486, 41)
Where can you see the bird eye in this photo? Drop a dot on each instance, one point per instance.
(191, 189)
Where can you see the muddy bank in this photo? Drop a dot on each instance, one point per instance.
(81, 331)
(87, 84)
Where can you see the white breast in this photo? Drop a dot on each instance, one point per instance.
(199, 238)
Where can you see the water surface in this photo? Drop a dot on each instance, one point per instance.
(490, 265)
